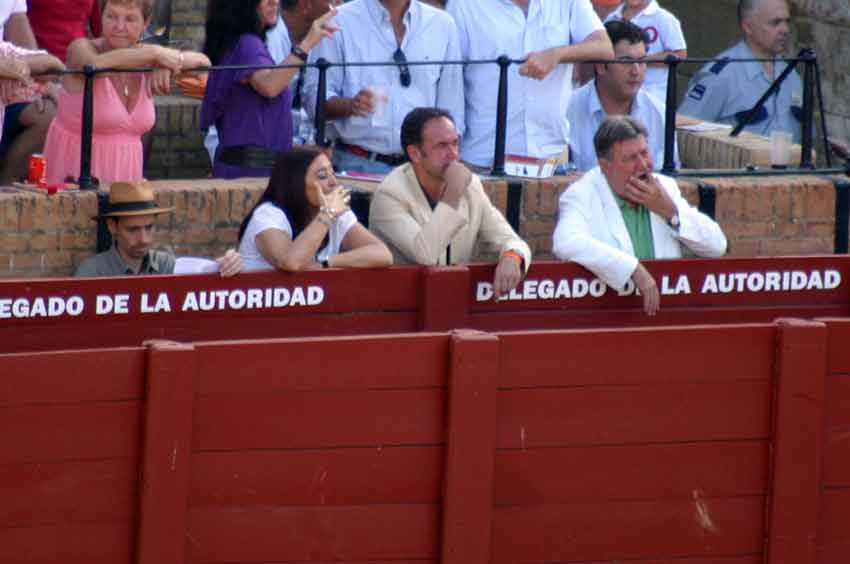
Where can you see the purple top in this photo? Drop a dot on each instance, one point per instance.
(241, 115)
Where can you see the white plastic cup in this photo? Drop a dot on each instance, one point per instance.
(780, 149)
(381, 116)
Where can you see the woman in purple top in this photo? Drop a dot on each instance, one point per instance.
(251, 108)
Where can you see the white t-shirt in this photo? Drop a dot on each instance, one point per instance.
(269, 216)
(665, 34)
(7, 8)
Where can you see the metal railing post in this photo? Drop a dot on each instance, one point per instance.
(322, 65)
(672, 62)
(501, 118)
(85, 180)
(809, 59)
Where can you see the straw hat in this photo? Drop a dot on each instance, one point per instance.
(131, 198)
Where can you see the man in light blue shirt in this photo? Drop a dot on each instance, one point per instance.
(724, 91)
(617, 90)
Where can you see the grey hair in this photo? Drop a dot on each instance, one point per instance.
(613, 130)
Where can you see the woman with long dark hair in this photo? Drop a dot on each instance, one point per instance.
(303, 221)
(250, 108)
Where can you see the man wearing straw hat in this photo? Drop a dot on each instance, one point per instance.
(131, 219)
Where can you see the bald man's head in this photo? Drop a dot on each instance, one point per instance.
(766, 25)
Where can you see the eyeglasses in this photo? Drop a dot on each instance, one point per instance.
(403, 69)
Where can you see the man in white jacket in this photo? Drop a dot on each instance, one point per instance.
(621, 213)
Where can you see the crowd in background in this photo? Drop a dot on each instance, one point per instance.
(252, 115)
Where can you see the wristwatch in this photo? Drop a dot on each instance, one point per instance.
(674, 221)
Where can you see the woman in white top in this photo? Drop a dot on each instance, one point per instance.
(303, 221)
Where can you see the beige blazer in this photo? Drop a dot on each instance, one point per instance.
(401, 217)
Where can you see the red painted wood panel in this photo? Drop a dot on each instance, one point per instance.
(166, 453)
(79, 543)
(836, 470)
(67, 492)
(617, 317)
(629, 530)
(350, 476)
(839, 351)
(71, 376)
(319, 419)
(634, 414)
(797, 438)
(69, 432)
(470, 446)
(291, 534)
(834, 532)
(620, 473)
(332, 363)
(838, 401)
(610, 357)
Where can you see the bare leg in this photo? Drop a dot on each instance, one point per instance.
(29, 141)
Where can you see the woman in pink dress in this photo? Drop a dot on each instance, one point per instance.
(123, 102)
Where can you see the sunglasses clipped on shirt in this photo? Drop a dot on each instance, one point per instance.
(403, 69)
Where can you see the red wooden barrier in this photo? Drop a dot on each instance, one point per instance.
(73, 313)
(834, 533)
(685, 445)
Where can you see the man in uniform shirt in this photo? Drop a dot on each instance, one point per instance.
(620, 214)
(544, 32)
(617, 89)
(366, 104)
(725, 92)
(433, 210)
(131, 219)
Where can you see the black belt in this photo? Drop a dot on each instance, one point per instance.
(250, 156)
(392, 160)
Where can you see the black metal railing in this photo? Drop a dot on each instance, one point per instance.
(811, 83)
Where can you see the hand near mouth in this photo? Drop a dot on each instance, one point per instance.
(644, 189)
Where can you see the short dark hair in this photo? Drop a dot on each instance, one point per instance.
(620, 30)
(414, 124)
(613, 130)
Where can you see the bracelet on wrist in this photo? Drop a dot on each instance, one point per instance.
(330, 213)
(514, 255)
(324, 220)
(299, 52)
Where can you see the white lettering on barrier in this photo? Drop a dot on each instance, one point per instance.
(252, 298)
(713, 283)
(53, 306)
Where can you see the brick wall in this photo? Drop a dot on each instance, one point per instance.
(50, 236)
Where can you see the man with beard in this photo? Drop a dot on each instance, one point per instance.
(433, 210)
(131, 219)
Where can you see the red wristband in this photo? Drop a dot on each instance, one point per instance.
(514, 255)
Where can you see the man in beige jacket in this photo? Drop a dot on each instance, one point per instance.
(433, 210)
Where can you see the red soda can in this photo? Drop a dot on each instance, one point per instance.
(37, 173)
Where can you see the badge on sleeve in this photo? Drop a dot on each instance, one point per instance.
(697, 92)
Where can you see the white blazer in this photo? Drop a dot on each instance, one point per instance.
(591, 230)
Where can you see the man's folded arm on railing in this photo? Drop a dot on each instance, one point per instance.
(597, 46)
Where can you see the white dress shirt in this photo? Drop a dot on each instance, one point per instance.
(586, 114)
(591, 230)
(7, 9)
(665, 34)
(366, 35)
(537, 109)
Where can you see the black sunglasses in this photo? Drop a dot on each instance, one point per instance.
(403, 69)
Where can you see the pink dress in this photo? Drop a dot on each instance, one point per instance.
(117, 141)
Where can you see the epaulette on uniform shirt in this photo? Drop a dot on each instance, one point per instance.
(718, 67)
